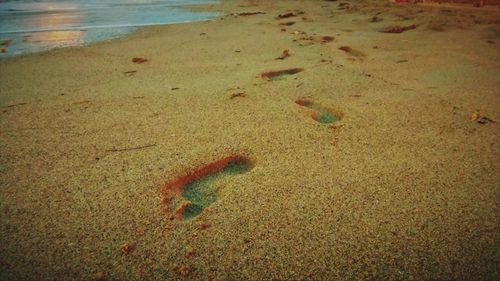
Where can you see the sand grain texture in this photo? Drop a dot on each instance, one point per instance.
(405, 186)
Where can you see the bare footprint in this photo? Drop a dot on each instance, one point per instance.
(318, 112)
(187, 196)
(280, 74)
(355, 54)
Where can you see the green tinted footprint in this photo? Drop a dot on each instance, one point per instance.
(319, 113)
(187, 196)
(203, 192)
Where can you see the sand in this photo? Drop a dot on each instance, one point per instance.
(405, 186)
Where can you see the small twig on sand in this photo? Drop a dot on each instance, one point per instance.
(17, 104)
(250, 14)
(130, 148)
(82, 102)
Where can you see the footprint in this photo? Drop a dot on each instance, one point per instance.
(355, 54)
(187, 196)
(319, 113)
(277, 75)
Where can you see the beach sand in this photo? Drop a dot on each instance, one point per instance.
(405, 186)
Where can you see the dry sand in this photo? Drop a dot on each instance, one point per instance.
(404, 187)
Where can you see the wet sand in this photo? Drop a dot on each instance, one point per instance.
(96, 149)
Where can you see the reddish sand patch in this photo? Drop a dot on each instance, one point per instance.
(398, 29)
(139, 60)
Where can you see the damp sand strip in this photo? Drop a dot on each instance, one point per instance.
(198, 189)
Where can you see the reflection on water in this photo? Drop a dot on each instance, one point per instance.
(48, 21)
(18, 16)
(53, 17)
(38, 25)
(63, 37)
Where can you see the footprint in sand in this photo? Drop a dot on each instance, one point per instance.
(353, 53)
(187, 196)
(318, 112)
(280, 74)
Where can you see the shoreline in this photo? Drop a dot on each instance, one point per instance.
(359, 154)
(51, 37)
(110, 40)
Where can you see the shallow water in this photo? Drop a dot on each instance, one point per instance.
(40, 25)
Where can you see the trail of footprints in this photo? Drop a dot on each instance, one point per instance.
(189, 195)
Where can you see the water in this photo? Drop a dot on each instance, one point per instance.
(38, 25)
